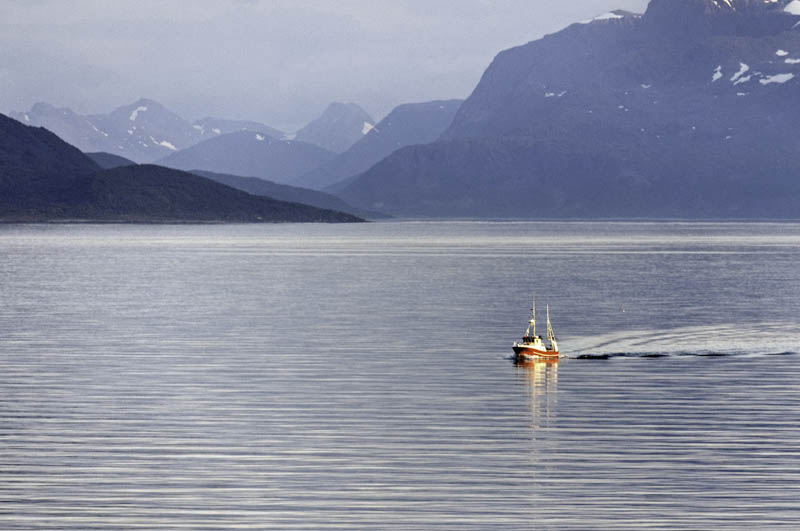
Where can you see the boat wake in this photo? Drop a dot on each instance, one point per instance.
(610, 355)
(767, 339)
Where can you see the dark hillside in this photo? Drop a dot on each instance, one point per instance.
(42, 178)
(109, 161)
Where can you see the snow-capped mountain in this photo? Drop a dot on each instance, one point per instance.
(689, 110)
(338, 128)
(144, 131)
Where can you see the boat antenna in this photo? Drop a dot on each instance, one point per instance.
(533, 316)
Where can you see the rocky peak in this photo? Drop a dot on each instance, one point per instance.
(338, 128)
(703, 17)
(712, 7)
(42, 108)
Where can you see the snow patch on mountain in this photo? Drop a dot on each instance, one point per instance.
(781, 53)
(605, 16)
(164, 143)
(717, 74)
(777, 78)
(791, 61)
(793, 7)
(743, 68)
(260, 138)
(367, 128)
(135, 113)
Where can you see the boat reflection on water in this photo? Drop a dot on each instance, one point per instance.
(541, 379)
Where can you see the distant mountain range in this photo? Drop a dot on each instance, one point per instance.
(144, 131)
(42, 178)
(340, 126)
(413, 123)
(689, 110)
(250, 154)
(307, 165)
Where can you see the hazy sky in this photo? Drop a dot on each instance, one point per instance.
(277, 61)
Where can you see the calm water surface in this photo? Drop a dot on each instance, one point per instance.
(316, 376)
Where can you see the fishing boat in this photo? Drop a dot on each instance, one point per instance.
(533, 347)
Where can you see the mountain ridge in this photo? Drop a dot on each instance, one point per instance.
(288, 193)
(249, 154)
(406, 124)
(338, 127)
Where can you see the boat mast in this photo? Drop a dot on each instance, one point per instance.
(551, 336)
(533, 317)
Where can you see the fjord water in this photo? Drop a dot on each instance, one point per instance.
(329, 376)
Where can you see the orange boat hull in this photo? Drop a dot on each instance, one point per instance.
(532, 353)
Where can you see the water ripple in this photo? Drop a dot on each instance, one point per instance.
(318, 377)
